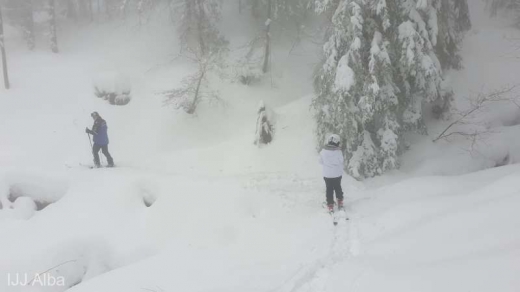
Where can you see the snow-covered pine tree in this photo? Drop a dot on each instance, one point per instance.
(381, 88)
(264, 125)
(338, 81)
(453, 23)
(420, 72)
(380, 67)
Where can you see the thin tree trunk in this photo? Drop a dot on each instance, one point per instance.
(267, 53)
(202, 16)
(2, 48)
(72, 11)
(52, 26)
(91, 10)
(107, 9)
(193, 106)
(28, 24)
(254, 9)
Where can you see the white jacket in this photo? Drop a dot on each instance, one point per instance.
(332, 162)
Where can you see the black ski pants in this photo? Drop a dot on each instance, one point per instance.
(104, 149)
(333, 185)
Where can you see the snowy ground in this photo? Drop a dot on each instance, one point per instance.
(195, 206)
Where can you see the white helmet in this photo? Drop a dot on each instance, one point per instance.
(333, 139)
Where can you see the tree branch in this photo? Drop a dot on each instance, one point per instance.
(478, 104)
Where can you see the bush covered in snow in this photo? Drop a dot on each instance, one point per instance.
(249, 73)
(264, 125)
(112, 87)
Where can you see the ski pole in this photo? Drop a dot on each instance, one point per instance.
(89, 140)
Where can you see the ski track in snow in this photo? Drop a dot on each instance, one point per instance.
(343, 245)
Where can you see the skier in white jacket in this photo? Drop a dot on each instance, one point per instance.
(331, 159)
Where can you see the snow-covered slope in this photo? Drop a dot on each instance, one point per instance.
(194, 206)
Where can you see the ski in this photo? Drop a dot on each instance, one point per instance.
(337, 215)
(332, 214)
(334, 217)
(343, 213)
(87, 166)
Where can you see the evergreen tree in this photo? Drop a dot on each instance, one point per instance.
(335, 105)
(453, 22)
(380, 67)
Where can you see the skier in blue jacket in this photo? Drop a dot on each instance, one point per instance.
(99, 131)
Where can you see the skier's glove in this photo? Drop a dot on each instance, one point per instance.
(88, 131)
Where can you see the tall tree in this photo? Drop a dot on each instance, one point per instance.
(53, 36)
(28, 23)
(2, 49)
(453, 23)
(267, 51)
(202, 42)
(381, 65)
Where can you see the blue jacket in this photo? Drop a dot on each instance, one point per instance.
(99, 130)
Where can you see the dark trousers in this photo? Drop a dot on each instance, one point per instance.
(333, 185)
(104, 149)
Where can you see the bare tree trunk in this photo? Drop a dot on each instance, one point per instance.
(52, 26)
(201, 17)
(197, 92)
(267, 53)
(72, 11)
(90, 10)
(28, 24)
(494, 8)
(2, 48)
(240, 8)
(124, 6)
(254, 9)
(140, 11)
(107, 9)
(83, 9)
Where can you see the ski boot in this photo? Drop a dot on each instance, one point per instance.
(340, 204)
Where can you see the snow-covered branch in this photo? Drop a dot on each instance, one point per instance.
(477, 105)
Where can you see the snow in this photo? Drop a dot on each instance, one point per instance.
(194, 205)
(407, 31)
(422, 4)
(344, 75)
